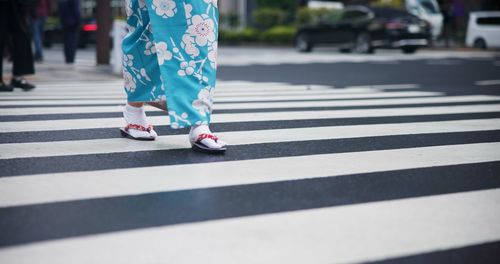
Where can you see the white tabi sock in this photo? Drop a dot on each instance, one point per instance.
(135, 115)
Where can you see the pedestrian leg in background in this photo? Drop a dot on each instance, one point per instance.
(170, 56)
(39, 14)
(5, 13)
(15, 34)
(70, 17)
(37, 27)
(70, 43)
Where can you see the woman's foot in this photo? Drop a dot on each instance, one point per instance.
(137, 126)
(202, 139)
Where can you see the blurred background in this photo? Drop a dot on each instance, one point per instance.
(277, 22)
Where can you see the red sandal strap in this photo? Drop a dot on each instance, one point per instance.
(139, 127)
(205, 136)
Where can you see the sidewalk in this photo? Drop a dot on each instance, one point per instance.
(54, 69)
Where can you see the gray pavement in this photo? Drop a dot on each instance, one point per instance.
(54, 69)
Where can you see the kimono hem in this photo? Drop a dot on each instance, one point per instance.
(170, 56)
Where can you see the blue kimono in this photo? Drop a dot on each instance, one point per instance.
(170, 55)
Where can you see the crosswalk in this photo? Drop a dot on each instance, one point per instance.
(314, 174)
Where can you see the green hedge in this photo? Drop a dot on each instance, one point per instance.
(266, 18)
(279, 35)
(248, 35)
(281, 4)
(231, 19)
(275, 35)
(287, 7)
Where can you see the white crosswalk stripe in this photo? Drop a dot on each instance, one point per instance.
(51, 125)
(350, 234)
(251, 96)
(427, 136)
(228, 99)
(95, 146)
(261, 102)
(118, 182)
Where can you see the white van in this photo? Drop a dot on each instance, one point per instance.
(483, 30)
(427, 10)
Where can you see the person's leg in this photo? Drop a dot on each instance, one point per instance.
(75, 34)
(66, 36)
(141, 73)
(20, 49)
(70, 43)
(4, 22)
(140, 69)
(39, 41)
(4, 18)
(37, 38)
(41, 29)
(183, 63)
(185, 34)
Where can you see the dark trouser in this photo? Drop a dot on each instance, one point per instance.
(37, 25)
(70, 42)
(15, 34)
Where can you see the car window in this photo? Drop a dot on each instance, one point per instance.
(390, 13)
(332, 18)
(414, 10)
(429, 7)
(354, 16)
(489, 21)
(347, 15)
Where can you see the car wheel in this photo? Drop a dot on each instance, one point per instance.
(480, 44)
(409, 50)
(363, 44)
(303, 44)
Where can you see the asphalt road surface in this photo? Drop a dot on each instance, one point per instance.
(333, 158)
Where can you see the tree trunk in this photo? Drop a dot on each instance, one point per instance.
(104, 22)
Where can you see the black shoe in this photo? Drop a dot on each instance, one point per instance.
(22, 83)
(5, 87)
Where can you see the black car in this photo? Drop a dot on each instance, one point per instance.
(362, 29)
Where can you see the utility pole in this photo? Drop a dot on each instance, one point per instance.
(242, 10)
(104, 23)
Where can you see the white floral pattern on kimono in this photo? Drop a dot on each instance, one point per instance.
(170, 54)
